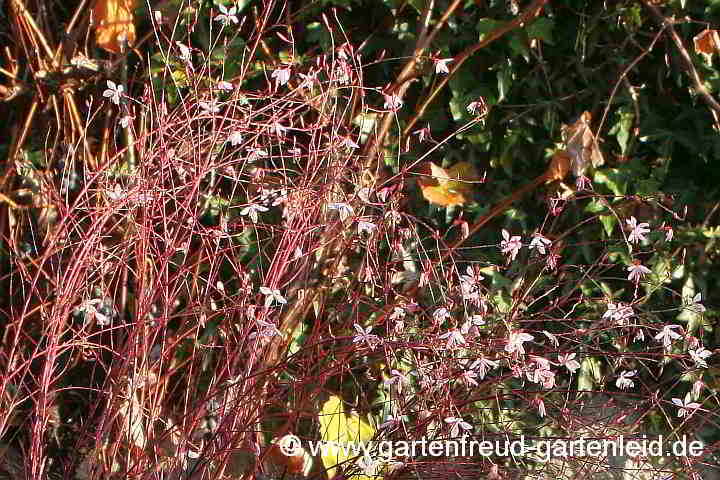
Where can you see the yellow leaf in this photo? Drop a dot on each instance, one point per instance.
(340, 429)
(114, 20)
(449, 187)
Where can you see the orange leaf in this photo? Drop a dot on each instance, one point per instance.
(559, 166)
(707, 42)
(449, 187)
(114, 24)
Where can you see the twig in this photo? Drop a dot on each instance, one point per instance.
(686, 61)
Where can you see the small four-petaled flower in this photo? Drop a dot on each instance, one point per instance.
(114, 92)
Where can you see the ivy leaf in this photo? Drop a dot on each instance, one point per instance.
(448, 187)
(339, 430)
(542, 30)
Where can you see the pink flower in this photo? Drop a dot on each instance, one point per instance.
(483, 365)
(392, 102)
(510, 245)
(699, 355)
(685, 406)
(637, 272)
(667, 335)
(568, 361)
(637, 231)
(539, 241)
(623, 382)
(457, 424)
(540, 404)
(454, 337)
(441, 65)
(478, 107)
(423, 133)
(281, 76)
(516, 340)
(364, 336)
(619, 312)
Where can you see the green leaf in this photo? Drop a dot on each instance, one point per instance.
(542, 30)
(621, 129)
(505, 79)
(608, 223)
(519, 44)
(487, 25)
(613, 179)
(590, 374)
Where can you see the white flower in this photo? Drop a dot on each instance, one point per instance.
(117, 193)
(309, 80)
(473, 278)
(366, 227)
(368, 465)
(252, 211)
(667, 335)
(441, 65)
(267, 329)
(552, 338)
(637, 272)
(126, 120)
(568, 361)
(365, 336)
(516, 340)
(457, 424)
(441, 314)
(699, 356)
(637, 231)
(114, 92)
(255, 153)
(685, 406)
(272, 295)
(619, 312)
(209, 107)
(227, 16)
(668, 233)
(695, 304)
(89, 309)
(477, 107)
(235, 138)
(468, 377)
(392, 102)
(392, 422)
(343, 209)
(510, 245)
(184, 52)
(226, 86)
(397, 378)
(398, 313)
(470, 284)
(281, 76)
(454, 337)
(539, 241)
(422, 133)
(623, 382)
(348, 142)
(482, 365)
(279, 129)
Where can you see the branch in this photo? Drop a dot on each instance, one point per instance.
(686, 61)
